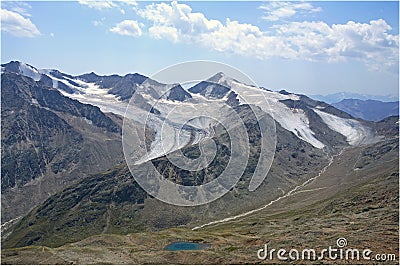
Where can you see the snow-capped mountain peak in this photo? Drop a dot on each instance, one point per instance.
(22, 69)
(217, 78)
(221, 79)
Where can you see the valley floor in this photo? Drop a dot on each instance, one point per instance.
(355, 198)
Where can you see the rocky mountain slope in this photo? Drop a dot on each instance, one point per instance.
(49, 141)
(114, 202)
(355, 198)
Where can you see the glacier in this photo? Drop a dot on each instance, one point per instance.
(354, 131)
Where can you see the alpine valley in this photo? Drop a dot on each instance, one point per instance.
(68, 196)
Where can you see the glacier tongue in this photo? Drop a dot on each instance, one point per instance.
(294, 120)
(354, 131)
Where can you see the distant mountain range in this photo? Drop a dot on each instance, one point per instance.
(337, 97)
(364, 106)
(371, 110)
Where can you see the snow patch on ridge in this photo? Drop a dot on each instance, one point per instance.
(29, 71)
(90, 93)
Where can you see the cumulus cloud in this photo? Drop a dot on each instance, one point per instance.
(245, 39)
(128, 28)
(164, 32)
(17, 25)
(367, 42)
(370, 42)
(275, 11)
(179, 16)
(177, 22)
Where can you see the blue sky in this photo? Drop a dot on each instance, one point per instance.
(303, 47)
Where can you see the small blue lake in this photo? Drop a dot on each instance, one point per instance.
(175, 246)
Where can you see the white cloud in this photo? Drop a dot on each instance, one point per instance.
(98, 4)
(275, 11)
(245, 39)
(370, 43)
(22, 11)
(367, 42)
(17, 25)
(164, 32)
(179, 16)
(132, 3)
(128, 28)
(108, 4)
(19, 7)
(99, 22)
(177, 22)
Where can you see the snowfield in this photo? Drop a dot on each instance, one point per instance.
(181, 123)
(355, 132)
(293, 120)
(170, 132)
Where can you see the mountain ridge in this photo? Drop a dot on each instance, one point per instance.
(371, 110)
(114, 97)
(337, 97)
